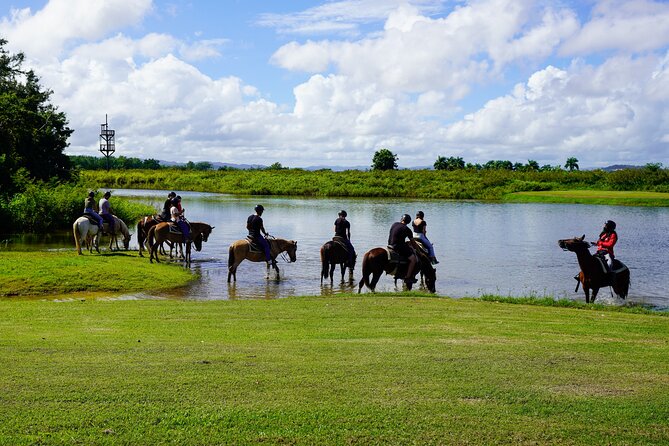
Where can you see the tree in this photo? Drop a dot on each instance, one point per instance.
(33, 134)
(571, 164)
(450, 163)
(384, 159)
(532, 165)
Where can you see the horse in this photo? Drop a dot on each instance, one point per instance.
(85, 231)
(241, 249)
(143, 227)
(161, 233)
(333, 254)
(376, 261)
(592, 276)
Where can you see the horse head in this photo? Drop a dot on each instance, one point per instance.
(197, 241)
(573, 244)
(291, 249)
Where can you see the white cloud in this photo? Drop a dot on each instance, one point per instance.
(633, 26)
(45, 32)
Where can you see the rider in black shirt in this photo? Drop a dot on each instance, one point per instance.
(257, 229)
(397, 240)
(342, 229)
(165, 215)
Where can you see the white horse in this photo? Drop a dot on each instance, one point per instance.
(85, 231)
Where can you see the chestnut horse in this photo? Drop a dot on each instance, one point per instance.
(161, 233)
(376, 262)
(241, 249)
(333, 254)
(592, 276)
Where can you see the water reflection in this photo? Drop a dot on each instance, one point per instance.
(507, 249)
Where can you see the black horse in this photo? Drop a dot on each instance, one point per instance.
(376, 262)
(333, 254)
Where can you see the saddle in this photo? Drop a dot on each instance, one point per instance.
(341, 242)
(421, 246)
(91, 219)
(254, 246)
(174, 228)
(617, 268)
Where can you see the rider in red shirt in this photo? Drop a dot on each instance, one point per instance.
(607, 239)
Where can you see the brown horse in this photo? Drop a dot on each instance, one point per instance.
(143, 227)
(376, 261)
(333, 254)
(241, 249)
(161, 233)
(592, 276)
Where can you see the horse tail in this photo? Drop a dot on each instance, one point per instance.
(623, 285)
(152, 233)
(75, 231)
(324, 263)
(231, 256)
(140, 231)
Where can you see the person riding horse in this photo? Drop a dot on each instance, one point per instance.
(256, 229)
(607, 240)
(89, 209)
(419, 232)
(178, 218)
(105, 212)
(399, 232)
(165, 214)
(342, 229)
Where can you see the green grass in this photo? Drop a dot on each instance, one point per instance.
(370, 369)
(625, 198)
(42, 273)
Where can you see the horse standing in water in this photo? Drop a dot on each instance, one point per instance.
(241, 249)
(592, 275)
(161, 233)
(333, 254)
(376, 261)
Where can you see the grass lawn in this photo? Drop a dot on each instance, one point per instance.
(624, 198)
(370, 369)
(43, 272)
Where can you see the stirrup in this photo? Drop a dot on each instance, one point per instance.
(577, 277)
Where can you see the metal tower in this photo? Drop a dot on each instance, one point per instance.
(107, 144)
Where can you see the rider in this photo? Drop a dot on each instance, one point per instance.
(105, 211)
(607, 239)
(178, 218)
(257, 229)
(167, 207)
(89, 208)
(420, 231)
(399, 232)
(342, 228)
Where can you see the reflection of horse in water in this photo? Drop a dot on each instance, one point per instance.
(376, 261)
(86, 232)
(333, 253)
(241, 250)
(594, 274)
(161, 233)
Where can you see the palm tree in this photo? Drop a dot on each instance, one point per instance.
(571, 164)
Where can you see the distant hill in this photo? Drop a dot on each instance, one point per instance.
(615, 167)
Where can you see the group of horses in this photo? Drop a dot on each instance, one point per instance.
(152, 234)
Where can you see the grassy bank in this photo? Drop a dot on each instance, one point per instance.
(625, 198)
(376, 369)
(44, 273)
(459, 184)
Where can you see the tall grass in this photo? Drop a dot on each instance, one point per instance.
(44, 208)
(459, 184)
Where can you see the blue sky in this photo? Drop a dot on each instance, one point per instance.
(309, 83)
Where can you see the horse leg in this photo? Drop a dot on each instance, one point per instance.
(343, 271)
(594, 294)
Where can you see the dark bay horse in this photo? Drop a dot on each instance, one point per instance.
(143, 227)
(376, 262)
(161, 233)
(333, 254)
(592, 276)
(241, 249)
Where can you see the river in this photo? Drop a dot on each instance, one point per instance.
(483, 248)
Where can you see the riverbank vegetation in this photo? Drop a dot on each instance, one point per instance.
(60, 273)
(371, 369)
(461, 184)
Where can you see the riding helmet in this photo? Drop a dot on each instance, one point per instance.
(171, 195)
(91, 194)
(610, 225)
(259, 208)
(342, 213)
(406, 218)
(420, 214)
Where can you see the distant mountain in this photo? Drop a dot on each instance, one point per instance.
(615, 167)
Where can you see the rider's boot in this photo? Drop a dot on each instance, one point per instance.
(434, 260)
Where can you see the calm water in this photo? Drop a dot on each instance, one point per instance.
(505, 249)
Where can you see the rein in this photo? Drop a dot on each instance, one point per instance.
(282, 254)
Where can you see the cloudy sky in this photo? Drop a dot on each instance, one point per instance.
(307, 83)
